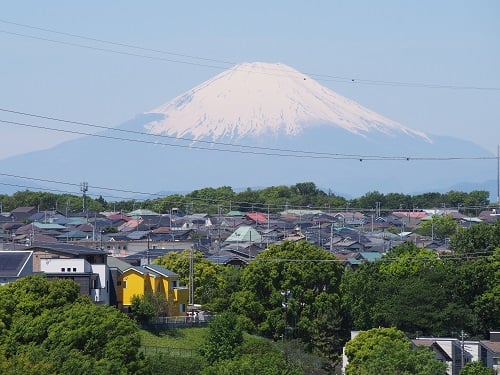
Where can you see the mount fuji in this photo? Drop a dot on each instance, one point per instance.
(258, 125)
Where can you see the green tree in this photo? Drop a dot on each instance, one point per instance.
(225, 336)
(247, 200)
(229, 284)
(387, 351)
(440, 226)
(149, 305)
(485, 291)
(207, 275)
(369, 200)
(480, 239)
(408, 259)
(258, 357)
(86, 332)
(287, 287)
(142, 309)
(414, 290)
(48, 328)
(476, 368)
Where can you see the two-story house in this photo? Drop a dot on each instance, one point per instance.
(129, 281)
(85, 265)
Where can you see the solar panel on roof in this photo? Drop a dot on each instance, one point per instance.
(11, 263)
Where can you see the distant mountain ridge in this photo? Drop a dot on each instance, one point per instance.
(259, 125)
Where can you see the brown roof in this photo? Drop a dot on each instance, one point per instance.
(23, 210)
(161, 230)
(494, 346)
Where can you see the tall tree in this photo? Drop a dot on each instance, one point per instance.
(289, 287)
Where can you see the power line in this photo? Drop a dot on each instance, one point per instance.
(192, 146)
(255, 205)
(226, 64)
(266, 151)
(385, 258)
(112, 51)
(117, 43)
(183, 138)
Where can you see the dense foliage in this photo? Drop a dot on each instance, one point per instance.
(225, 336)
(476, 368)
(387, 351)
(47, 328)
(271, 199)
(417, 292)
(292, 291)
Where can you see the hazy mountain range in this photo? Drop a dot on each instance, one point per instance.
(257, 125)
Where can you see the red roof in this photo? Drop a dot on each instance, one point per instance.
(119, 217)
(411, 214)
(257, 217)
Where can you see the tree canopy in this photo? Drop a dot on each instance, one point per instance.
(388, 351)
(48, 328)
(291, 291)
(416, 291)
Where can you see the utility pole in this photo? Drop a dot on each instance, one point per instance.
(462, 359)
(191, 277)
(84, 187)
(331, 237)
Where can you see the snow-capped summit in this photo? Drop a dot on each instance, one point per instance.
(258, 125)
(256, 99)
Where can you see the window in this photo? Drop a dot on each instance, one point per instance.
(63, 269)
(174, 284)
(124, 283)
(182, 307)
(68, 269)
(118, 283)
(74, 269)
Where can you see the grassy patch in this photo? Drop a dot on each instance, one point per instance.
(182, 338)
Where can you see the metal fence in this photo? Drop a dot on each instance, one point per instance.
(174, 352)
(173, 322)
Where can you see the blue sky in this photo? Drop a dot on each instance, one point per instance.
(450, 43)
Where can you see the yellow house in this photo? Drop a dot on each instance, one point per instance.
(137, 281)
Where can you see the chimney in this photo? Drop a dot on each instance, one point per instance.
(495, 336)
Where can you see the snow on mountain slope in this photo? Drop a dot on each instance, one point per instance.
(256, 99)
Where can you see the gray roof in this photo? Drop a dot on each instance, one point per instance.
(160, 270)
(74, 234)
(114, 262)
(66, 248)
(13, 262)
